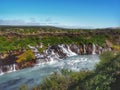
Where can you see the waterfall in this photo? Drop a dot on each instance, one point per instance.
(1, 72)
(67, 51)
(49, 54)
(14, 67)
(64, 50)
(100, 49)
(55, 55)
(84, 49)
(94, 48)
(47, 50)
(72, 53)
(52, 52)
(10, 68)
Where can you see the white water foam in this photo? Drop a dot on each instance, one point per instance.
(94, 48)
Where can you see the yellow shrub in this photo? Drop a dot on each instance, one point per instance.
(116, 47)
(26, 56)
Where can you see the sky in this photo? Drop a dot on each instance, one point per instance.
(61, 13)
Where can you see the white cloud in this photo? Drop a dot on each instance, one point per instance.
(11, 22)
(31, 21)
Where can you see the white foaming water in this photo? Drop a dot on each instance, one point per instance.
(84, 49)
(72, 53)
(10, 68)
(33, 76)
(1, 72)
(94, 48)
(50, 55)
(100, 49)
(67, 51)
(64, 50)
(14, 67)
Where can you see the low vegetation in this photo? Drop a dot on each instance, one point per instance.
(8, 44)
(16, 38)
(26, 56)
(26, 59)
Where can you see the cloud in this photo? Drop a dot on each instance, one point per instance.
(48, 21)
(11, 22)
(31, 21)
(35, 22)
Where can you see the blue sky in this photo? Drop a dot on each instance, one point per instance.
(62, 13)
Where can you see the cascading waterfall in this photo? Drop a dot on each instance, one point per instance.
(100, 49)
(14, 69)
(52, 52)
(64, 50)
(94, 49)
(69, 50)
(57, 52)
(84, 49)
(50, 55)
(40, 58)
(1, 72)
(55, 55)
(10, 68)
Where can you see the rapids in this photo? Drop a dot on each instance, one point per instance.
(34, 76)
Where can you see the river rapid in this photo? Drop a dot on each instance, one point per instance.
(35, 75)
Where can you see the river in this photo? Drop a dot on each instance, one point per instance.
(34, 76)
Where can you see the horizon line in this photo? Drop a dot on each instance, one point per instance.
(63, 27)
